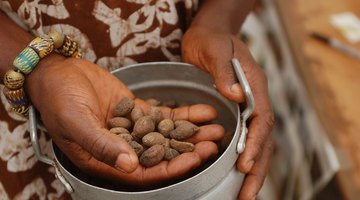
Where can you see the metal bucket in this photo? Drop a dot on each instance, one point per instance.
(185, 84)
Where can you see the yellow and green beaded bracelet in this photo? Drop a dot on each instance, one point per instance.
(27, 60)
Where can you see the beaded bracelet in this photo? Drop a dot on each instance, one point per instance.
(26, 61)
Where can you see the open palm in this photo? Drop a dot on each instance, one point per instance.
(75, 98)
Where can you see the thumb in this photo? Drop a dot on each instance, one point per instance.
(100, 143)
(111, 149)
(226, 81)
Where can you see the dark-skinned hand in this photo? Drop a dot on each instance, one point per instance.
(75, 99)
(212, 51)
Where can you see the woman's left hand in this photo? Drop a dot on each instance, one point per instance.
(75, 99)
(212, 50)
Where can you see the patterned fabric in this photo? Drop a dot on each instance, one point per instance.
(112, 34)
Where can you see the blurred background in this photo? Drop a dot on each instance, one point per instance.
(314, 85)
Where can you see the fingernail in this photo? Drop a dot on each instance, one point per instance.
(254, 198)
(236, 88)
(124, 163)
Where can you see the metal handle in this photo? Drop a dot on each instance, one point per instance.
(42, 157)
(34, 138)
(240, 147)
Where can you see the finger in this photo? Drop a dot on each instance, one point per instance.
(226, 81)
(181, 164)
(224, 75)
(262, 119)
(212, 132)
(166, 170)
(225, 78)
(88, 164)
(206, 150)
(260, 127)
(98, 141)
(197, 113)
(142, 104)
(255, 178)
(218, 64)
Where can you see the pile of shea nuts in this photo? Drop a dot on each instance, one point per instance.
(152, 137)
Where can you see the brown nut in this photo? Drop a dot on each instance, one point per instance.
(136, 113)
(181, 147)
(170, 154)
(138, 148)
(152, 156)
(182, 122)
(119, 122)
(135, 137)
(184, 129)
(119, 130)
(153, 138)
(156, 114)
(165, 126)
(166, 144)
(123, 107)
(126, 136)
(153, 102)
(143, 126)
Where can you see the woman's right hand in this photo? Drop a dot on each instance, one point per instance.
(75, 97)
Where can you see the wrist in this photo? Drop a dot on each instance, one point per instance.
(13, 39)
(226, 15)
(25, 63)
(35, 79)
